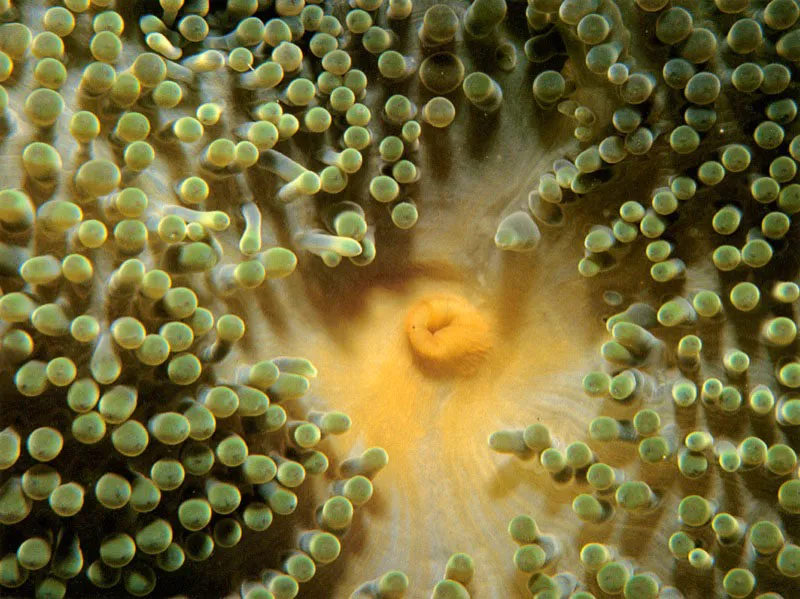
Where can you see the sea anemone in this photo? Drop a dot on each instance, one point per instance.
(227, 228)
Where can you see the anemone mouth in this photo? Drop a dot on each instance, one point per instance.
(447, 335)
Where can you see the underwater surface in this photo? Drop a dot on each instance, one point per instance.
(387, 299)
